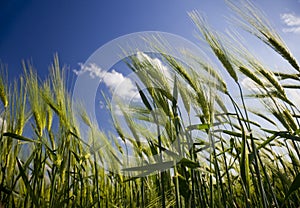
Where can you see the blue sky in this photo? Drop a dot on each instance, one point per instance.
(35, 30)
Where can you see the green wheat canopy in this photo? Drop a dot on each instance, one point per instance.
(214, 141)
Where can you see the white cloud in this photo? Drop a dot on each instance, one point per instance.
(157, 63)
(118, 84)
(154, 61)
(292, 30)
(290, 19)
(122, 87)
(92, 69)
(292, 22)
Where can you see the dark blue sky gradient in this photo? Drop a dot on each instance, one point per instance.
(35, 30)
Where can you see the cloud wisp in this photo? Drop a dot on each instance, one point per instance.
(158, 64)
(117, 83)
(120, 85)
(292, 23)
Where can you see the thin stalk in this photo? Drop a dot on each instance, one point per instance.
(255, 153)
(227, 172)
(178, 201)
(268, 181)
(161, 174)
(244, 156)
(211, 188)
(217, 171)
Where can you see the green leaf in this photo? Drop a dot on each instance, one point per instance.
(232, 133)
(27, 184)
(185, 98)
(282, 76)
(168, 152)
(144, 98)
(197, 127)
(139, 176)
(77, 137)
(19, 137)
(294, 186)
(244, 165)
(175, 93)
(291, 86)
(151, 167)
(270, 139)
(152, 147)
(288, 136)
(189, 163)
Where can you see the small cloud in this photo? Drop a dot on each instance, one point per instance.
(290, 19)
(292, 22)
(157, 63)
(142, 57)
(122, 87)
(92, 69)
(117, 83)
(295, 30)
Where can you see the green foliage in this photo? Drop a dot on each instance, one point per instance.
(232, 156)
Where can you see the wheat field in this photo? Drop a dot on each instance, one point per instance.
(231, 155)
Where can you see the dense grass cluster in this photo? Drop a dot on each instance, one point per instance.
(234, 155)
